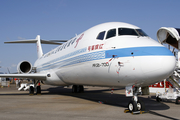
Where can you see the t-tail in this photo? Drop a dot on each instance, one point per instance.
(38, 42)
(39, 47)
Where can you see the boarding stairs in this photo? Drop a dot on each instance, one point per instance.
(174, 80)
(171, 37)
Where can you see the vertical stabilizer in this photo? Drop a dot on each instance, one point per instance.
(39, 47)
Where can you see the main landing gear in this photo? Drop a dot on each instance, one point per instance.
(77, 89)
(36, 87)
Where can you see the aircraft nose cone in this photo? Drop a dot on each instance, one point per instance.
(158, 68)
(168, 65)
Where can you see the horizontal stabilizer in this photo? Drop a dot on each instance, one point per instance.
(30, 76)
(58, 40)
(38, 42)
(34, 41)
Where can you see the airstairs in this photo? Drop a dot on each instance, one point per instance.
(174, 80)
(171, 37)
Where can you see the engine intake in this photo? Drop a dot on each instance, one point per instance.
(24, 67)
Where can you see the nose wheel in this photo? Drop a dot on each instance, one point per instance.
(140, 105)
(135, 105)
(132, 106)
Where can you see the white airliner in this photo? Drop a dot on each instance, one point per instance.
(113, 54)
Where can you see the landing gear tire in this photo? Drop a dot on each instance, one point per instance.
(81, 89)
(74, 89)
(31, 90)
(178, 100)
(132, 106)
(77, 89)
(38, 90)
(140, 105)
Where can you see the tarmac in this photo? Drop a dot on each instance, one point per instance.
(96, 103)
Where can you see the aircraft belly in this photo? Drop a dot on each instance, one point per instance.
(102, 72)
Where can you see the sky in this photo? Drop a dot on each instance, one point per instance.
(62, 19)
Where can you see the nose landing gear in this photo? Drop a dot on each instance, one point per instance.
(135, 106)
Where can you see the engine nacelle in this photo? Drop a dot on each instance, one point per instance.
(24, 67)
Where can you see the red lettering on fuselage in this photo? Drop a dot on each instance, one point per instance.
(77, 41)
(95, 47)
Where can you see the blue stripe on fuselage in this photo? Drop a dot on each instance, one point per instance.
(124, 52)
(139, 51)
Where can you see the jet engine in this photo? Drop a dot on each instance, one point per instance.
(24, 67)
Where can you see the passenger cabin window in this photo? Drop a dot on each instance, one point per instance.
(127, 31)
(101, 35)
(111, 33)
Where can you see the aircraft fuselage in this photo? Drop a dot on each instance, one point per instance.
(109, 54)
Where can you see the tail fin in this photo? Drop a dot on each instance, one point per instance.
(39, 47)
(38, 42)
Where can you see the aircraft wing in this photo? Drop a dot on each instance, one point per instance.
(31, 76)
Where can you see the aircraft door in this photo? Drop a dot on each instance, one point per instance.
(169, 35)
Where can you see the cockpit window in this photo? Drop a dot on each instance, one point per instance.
(101, 35)
(127, 31)
(111, 33)
(141, 33)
